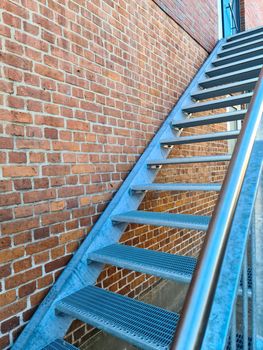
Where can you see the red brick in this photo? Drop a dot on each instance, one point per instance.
(10, 324)
(5, 215)
(23, 184)
(19, 171)
(10, 199)
(15, 61)
(51, 133)
(55, 170)
(11, 254)
(42, 245)
(14, 116)
(20, 225)
(7, 297)
(17, 157)
(58, 263)
(40, 195)
(6, 143)
(23, 277)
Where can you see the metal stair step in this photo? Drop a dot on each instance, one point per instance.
(59, 344)
(143, 325)
(238, 65)
(185, 221)
(226, 135)
(211, 119)
(188, 160)
(245, 34)
(217, 104)
(241, 48)
(239, 56)
(226, 89)
(177, 187)
(170, 266)
(241, 41)
(228, 78)
(174, 267)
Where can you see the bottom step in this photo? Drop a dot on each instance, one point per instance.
(143, 325)
(60, 344)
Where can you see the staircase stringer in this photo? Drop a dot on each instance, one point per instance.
(45, 326)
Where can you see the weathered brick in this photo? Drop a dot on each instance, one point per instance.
(42, 245)
(23, 277)
(10, 199)
(11, 254)
(20, 225)
(55, 170)
(40, 195)
(19, 171)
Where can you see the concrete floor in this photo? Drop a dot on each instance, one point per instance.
(168, 295)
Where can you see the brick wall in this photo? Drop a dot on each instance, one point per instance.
(197, 17)
(84, 88)
(251, 14)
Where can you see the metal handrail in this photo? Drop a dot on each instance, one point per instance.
(192, 324)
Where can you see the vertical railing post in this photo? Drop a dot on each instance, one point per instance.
(254, 287)
(245, 303)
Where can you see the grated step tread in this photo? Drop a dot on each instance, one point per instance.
(245, 34)
(141, 324)
(221, 103)
(173, 267)
(226, 135)
(210, 119)
(241, 48)
(240, 55)
(234, 66)
(239, 75)
(241, 41)
(177, 187)
(189, 160)
(184, 221)
(226, 89)
(59, 344)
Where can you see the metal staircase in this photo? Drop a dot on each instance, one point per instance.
(232, 68)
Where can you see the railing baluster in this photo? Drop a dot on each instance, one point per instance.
(253, 267)
(245, 303)
(234, 329)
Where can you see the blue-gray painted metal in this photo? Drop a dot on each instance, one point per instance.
(211, 119)
(188, 160)
(143, 325)
(241, 41)
(254, 281)
(186, 221)
(239, 343)
(60, 344)
(241, 55)
(245, 302)
(240, 48)
(177, 187)
(245, 85)
(220, 103)
(173, 267)
(243, 74)
(201, 291)
(225, 135)
(227, 287)
(45, 326)
(247, 33)
(233, 343)
(234, 66)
